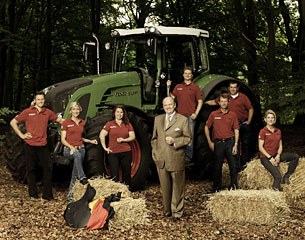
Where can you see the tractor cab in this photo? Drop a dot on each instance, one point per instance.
(158, 54)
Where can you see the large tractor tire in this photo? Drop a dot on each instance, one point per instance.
(203, 157)
(14, 156)
(96, 159)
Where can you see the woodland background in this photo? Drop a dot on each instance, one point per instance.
(261, 42)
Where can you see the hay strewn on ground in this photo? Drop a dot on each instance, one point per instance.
(252, 206)
(129, 212)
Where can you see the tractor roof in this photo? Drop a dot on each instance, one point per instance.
(161, 30)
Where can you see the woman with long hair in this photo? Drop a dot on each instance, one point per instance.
(271, 151)
(120, 132)
(71, 137)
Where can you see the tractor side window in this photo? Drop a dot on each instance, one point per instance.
(135, 52)
(181, 52)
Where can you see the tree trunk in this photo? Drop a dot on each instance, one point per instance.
(3, 51)
(247, 25)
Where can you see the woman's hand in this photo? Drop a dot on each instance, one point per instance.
(93, 141)
(108, 150)
(119, 140)
(72, 150)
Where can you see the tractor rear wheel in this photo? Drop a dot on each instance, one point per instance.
(15, 156)
(96, 159)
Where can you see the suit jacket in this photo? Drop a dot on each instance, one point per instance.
(170, 156)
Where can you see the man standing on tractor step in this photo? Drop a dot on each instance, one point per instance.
(170, 135)
(225, 141)
(36, 119)
(189, 101)
(241, 105)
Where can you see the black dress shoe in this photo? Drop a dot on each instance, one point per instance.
(48, 198)
(84, 181)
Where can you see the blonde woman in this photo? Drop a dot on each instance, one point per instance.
(71, 137)
(271, 151)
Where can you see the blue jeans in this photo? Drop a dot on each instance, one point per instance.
(190, 146)
(293, 160)
(78, 171)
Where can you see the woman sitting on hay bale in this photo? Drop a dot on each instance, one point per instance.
(270, 147)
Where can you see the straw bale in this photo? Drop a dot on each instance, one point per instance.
(128, 213)
(255, 176)
(104, 187)
(250, 206)
(295, 191)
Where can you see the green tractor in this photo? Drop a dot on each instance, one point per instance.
(143, 60)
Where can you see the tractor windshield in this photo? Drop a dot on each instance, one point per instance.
(158, 53)
(135, 51)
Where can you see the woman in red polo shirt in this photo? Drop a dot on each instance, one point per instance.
(120, 133)
(71, 137)
(271, 151)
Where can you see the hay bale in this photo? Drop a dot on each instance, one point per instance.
(250, 206)
(104, 187)
(128, 213)
(256, 176)
(295, 191)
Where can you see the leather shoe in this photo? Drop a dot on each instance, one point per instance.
(84, 181)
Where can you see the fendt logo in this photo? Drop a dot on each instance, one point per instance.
(124, 94)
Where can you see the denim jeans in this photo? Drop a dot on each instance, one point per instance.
(293, 160)
(222, 150)
(190, 146)
(78, 171)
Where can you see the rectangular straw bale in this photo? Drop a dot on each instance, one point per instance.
(250, 206)
(104, 188)
(255, 176)
(128, 213)
(295, 191)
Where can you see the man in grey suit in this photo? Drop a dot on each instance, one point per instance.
(170, 136)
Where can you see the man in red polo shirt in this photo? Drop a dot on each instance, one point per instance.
(225, 140)
(36, 119)
(241, 105)
(189, 101)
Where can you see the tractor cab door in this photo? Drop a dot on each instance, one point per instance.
(135, 53)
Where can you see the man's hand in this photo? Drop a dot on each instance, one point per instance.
(211, 146)
(168, 82)
(234, 150)
(193, 116)
(27, 135)
(169, 140)
(247, 122)
(273, 161)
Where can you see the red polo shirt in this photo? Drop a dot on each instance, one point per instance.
(116, 131)
(187, 98)
(223, 124)
(240, 105)
(36, 123)
(271, 140)
(74, 131)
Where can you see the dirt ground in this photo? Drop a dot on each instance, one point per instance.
(22, 218)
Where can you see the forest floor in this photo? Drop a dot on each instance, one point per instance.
(24, 218)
